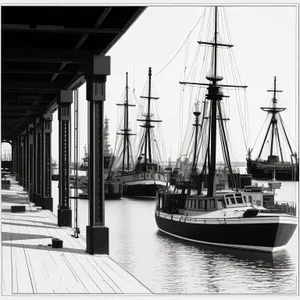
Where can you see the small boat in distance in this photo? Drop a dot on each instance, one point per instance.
(112, 188)
(275, 162)
(228, 218)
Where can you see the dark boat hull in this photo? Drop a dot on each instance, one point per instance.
(141, 190)
(264, 236)
(265, 171)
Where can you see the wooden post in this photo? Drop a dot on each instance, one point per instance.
(97, 234)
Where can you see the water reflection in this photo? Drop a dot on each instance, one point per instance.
(225, 270)
(169, 265)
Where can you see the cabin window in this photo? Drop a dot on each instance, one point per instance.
(227, 201)
(245, 199)
(158, 176)
(147, 176)
(232, 200)
(189, 203)
(196, 204)
(212, 203)
(202, 204)
(179, 191)
(142, 176)
(250, 199)
(239, 199)
(221, 203)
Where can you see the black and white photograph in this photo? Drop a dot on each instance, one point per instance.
(149, 149)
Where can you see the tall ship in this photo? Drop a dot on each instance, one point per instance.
(234, 218)
(141, 177)
(284, 168)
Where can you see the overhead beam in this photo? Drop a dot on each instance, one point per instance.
(102, 16)
(59, 29)
(82, 39)
(38, 72)
(45, 55)
(23, 107)
(29, 86)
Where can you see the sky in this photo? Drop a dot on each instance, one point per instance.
(265, 46)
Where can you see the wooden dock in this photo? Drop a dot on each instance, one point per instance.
(31, 266)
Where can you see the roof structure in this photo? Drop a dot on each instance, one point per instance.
(44, 49)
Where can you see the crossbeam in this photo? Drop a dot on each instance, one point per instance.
(125, 104)
(208, 84)
(277, 91)
(151, 120)
(146, 97)
(215, 44)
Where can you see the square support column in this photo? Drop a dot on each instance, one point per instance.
(25, 157)
(47, 201)
(30, 162)
(37, 163)
(13, 155)
(96, 233)
(18, 158)
(22, 160)
(64, 213)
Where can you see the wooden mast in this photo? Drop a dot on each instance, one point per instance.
(215, 95)
(197, 125)
(147, 121)
(274, 110)
(126, 131)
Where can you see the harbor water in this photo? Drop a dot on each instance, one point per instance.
(168, 265)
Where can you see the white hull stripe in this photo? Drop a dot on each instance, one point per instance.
(233, 220)
(258, 248)
(146, 182)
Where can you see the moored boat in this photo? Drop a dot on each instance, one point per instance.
(147, 176)
(275, 162)
(229, 218)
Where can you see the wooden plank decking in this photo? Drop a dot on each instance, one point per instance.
(31, 266)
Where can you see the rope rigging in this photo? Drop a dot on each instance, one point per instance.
(181, 46)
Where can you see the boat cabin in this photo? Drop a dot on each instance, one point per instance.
(148, 168)
(260, 196)
(197, 204)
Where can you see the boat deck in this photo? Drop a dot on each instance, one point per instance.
(31, 266)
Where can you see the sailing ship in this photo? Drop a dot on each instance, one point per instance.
(232, 218)
(145, 177)
(264, 169)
